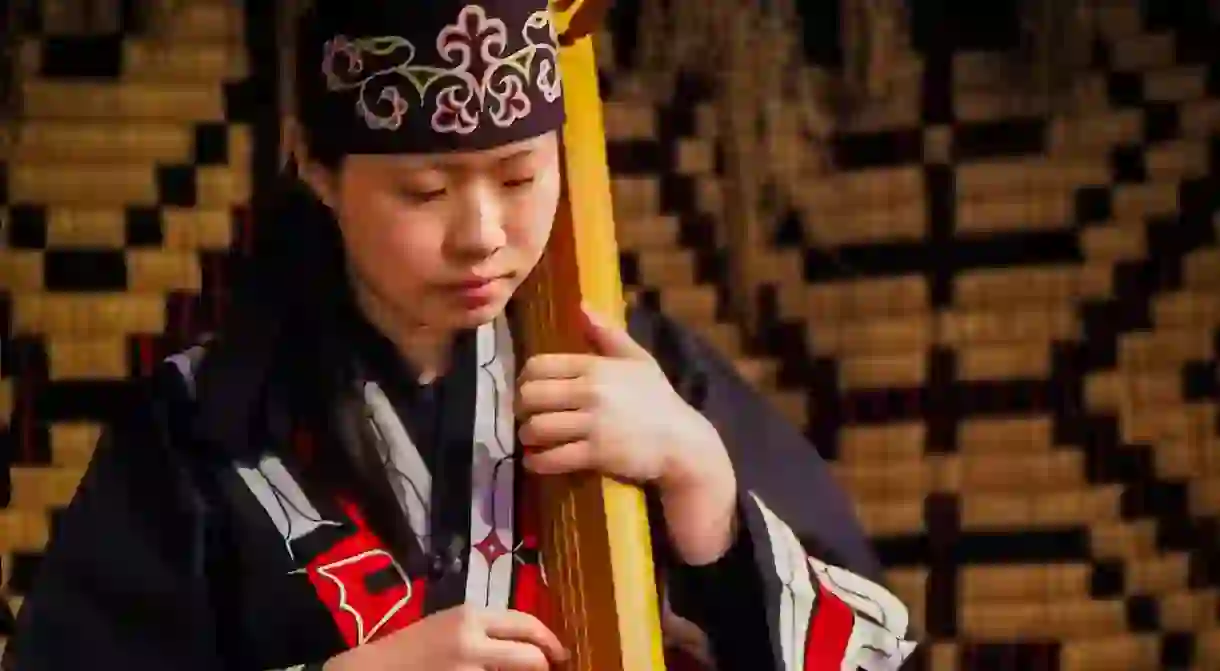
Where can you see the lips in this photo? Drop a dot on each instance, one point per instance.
(475, 293)
(471, 283)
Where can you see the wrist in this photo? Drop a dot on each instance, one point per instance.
(697, 461)
(699, 498)
(701, 524)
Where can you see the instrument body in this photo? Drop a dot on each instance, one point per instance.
(596, 548)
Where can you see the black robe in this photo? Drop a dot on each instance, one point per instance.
(217, 529)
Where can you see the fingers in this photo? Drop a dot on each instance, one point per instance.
(575, 456)
(511, 656)
(549, 429)
(539, 396)
(556, 366)
(612, 340)
(682, 634)
(513, 626)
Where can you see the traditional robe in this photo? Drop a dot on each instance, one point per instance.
(223, 525)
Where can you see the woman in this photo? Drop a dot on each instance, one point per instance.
(333, 481)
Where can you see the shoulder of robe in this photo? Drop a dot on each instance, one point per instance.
(178, 372)
(146, 451)
(226, 376)
(208, 390)
(168, 399)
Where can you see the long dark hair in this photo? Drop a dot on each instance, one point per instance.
(284, 338)
(294, 258)
(283, 347)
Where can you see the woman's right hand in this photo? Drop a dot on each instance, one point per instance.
(460, 639)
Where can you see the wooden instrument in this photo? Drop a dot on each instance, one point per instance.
(594, 535)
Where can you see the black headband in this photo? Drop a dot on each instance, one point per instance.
(422, 76)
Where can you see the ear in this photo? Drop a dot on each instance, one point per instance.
(319, 178)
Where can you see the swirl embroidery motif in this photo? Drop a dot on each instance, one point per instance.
(480, 80)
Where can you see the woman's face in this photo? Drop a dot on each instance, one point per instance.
(442, 241)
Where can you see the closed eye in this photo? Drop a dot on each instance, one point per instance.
(518, 183)
(423, 196)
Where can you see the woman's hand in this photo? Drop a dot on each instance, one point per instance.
(685, 637)
(460, 639)
(615, 413)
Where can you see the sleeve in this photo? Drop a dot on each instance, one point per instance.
(123, 583)
(725, 601)
(801, 545)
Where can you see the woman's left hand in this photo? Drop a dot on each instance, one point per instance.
(615, 413)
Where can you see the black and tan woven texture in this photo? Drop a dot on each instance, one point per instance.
(997, 317)
(125, 182)
(1008, 331)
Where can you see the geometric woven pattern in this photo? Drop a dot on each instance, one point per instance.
(998, 321)
(1008, 325)
(666, 185)
(666, 190)
(118, 197)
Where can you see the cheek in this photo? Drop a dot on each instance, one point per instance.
(535, 220)
(387, 248)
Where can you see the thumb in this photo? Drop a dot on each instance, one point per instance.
(610, 340)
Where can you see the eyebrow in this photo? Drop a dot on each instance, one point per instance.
(520, 153)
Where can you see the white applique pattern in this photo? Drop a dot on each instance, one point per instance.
(480, 81)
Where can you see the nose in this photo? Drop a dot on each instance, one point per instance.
(479, 230)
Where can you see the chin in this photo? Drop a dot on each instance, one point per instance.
(468, 318)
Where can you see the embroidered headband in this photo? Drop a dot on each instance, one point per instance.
(412, 76)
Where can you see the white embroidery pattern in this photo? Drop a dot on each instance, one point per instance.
(282, 497)
(408, 474)
(490, 558)
(878, 639)
(272, 485)
(799, 593)
(880, 620)
(489, 572)
(491, 84)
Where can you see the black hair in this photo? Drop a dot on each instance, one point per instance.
(289, 300)
(294, 261)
